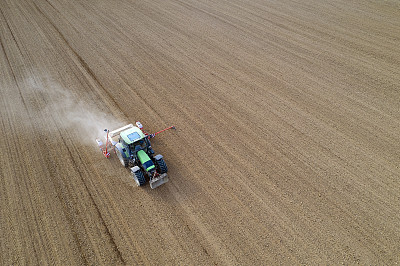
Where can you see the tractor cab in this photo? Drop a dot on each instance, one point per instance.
(137, 144)
(132, 135)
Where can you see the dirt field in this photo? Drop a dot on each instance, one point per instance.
(287, 146)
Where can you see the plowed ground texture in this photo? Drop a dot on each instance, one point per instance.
(287, 146)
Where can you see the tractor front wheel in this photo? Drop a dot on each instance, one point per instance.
(163, 166)
(139, 178)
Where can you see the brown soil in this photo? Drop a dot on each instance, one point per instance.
(287, 146)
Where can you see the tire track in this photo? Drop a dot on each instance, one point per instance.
(76, 166)
(8, 60)
(81, 61)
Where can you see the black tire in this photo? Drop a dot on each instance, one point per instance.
(139, 178)
(163, 166)
(124, 161)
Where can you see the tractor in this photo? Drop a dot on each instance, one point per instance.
(132, 146)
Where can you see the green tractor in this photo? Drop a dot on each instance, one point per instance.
(133, 149)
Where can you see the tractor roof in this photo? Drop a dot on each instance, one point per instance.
(131, 135)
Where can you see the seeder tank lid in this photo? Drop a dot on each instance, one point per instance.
(131, 135)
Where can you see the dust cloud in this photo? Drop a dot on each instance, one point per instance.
(64, 110)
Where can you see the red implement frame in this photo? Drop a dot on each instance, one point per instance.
(171, 127)
(139, 125)
(104, 148)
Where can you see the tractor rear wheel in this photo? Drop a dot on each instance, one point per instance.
(139, 178)
(163, 166)
(124, 161)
